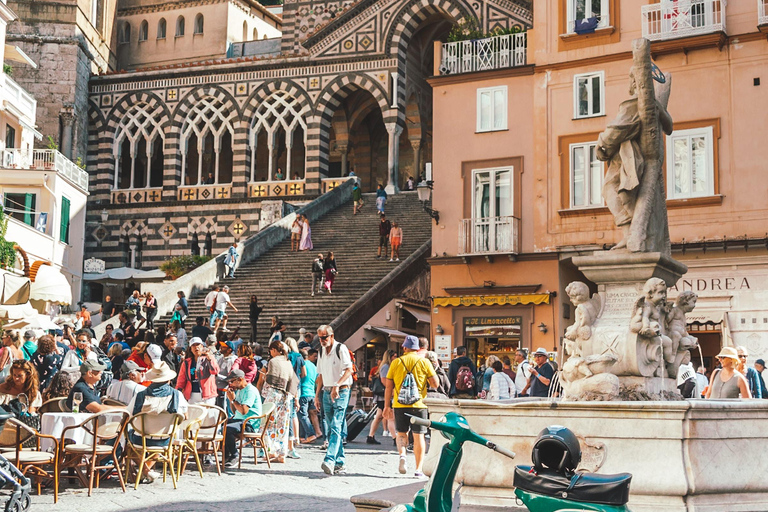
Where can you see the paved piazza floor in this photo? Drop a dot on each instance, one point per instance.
(298, 485)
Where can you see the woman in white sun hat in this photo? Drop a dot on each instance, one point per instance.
(727, 382)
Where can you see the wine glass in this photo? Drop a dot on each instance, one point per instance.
(77, 398)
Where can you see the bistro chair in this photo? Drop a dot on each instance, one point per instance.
(186, 441)
(257, 439)
(106, 428)
(53, 405)
(150, 426)
(111, 401)
(31, 462)
(213, 430)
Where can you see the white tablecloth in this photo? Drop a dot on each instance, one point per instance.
(54, 423)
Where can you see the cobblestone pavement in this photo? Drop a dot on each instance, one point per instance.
(297, 485)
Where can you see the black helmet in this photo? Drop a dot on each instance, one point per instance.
(556, 449)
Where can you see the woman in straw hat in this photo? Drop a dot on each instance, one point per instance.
(727, 382)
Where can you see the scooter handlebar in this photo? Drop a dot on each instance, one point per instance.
(419, 421)
(500, 449)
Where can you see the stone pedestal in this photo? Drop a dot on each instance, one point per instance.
(620, 277)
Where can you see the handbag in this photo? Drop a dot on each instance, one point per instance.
(19, 408)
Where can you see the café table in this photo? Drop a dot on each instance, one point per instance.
(54, 423)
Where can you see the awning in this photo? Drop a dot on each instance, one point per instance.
(705, 316)
(36, 321)
(420, 315)
(387, 331)
(16, 54)
(124, 274)
(15, 289)
(16, 312)
(50, 285)
(492, 300)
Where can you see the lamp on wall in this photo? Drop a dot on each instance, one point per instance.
(424, 190)
(439, 330)
(543, 327)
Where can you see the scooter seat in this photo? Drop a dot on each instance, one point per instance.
(584, 487)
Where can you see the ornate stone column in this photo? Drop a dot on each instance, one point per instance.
(394, 130)
(342, 148)
(67, 116)
(416, 145)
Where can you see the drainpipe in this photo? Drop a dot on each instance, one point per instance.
(52, 216)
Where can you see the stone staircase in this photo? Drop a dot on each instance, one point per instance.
(282, 281)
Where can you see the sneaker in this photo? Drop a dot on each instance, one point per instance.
(397, 259)
(419, 474)
(208, 460)
(372, 440)
(403, 468)
(313, 294)
(154, 474)
(391, 260)
(325, 445)
(327, 468)
(339, 470)
(293, 455)
(231, 462)
(386, 434)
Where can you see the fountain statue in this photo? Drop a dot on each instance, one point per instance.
(627, 341)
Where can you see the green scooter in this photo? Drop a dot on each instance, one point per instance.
(548, 486)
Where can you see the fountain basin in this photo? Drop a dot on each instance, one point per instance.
(685, 456)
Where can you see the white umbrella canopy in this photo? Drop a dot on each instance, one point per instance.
(37, 321)
(17, 311)
(124, 274)
(50, 285)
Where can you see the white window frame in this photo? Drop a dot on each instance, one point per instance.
(605, 14)
(491, 91)
(708, 133)
(492, 223)
(589, 194)
(600, 75)
(38, 206)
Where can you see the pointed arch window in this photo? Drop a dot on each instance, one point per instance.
(199, 24)
(138, 148)
(206, 142)
(162, 25)
(245, 31)
(180, 26)
(278, 138)
(143, 31)
(125, 33)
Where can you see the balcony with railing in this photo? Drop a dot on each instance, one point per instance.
(489, 235)
(762, 13)
(45, 160)
(19, 100)
(495, 52)
(683, 18)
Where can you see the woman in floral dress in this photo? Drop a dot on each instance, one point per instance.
(278, 385)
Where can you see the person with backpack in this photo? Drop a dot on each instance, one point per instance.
(461, 375)
(406, 386)
(318, 274)
(333, 384)
(523, 374)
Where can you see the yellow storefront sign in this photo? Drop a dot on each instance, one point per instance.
(492, 300)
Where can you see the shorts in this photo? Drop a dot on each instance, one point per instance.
(358, 202)
(396, 242)
(383, 241)
(403, 422)
(295, 236)
(217, 313)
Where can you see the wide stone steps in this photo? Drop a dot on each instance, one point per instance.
(282, 280)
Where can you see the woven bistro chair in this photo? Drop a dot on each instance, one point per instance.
(213, 430)
(151, 426)
(31, 462)
(186, 441)
(257, 439)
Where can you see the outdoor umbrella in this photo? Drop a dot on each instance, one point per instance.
(50, 285)
(32, 322)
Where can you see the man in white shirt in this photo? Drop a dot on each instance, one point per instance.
(523, 373)
(210, 302)
(333, 383)
(126, 389)
(222, 301)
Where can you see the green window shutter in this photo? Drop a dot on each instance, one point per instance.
(29, 209)
(64, 231)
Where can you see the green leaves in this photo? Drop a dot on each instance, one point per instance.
(180, 265)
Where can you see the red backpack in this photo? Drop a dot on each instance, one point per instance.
(464, 379)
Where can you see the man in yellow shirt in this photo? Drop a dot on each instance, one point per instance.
(423, 373)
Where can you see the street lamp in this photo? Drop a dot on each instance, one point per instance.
(424, 189)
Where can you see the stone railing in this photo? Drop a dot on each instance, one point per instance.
(252, 248)
(683, 18)
(45, 160)
(20, 99)
(329, 184)
(762, 12)
(279, 188)
(137, 195)
(204, 192)
(489, 235)
(497, 52)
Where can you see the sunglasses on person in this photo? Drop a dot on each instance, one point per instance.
(324, 337)
(109, 327)
(743, 356)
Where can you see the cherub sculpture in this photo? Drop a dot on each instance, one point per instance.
(676, 326)
(587, 310)
(649, 319)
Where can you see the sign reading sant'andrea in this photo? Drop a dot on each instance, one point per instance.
(93, 266)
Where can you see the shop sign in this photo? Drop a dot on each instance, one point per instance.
(493, 327)
(93, 266)
(443, 349)
(712, 284)
(492, 300)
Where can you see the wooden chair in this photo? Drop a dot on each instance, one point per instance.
(101, 453)
(213, 431)
(53, 405)
(257, 439)
(153, 427)
(186, 442)
(31, 461)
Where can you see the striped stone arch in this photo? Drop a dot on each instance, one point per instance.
(403, 25)
(129, 102)
(266, 89)
(182, 110)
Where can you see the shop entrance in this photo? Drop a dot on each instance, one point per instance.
(485, 336)
(710, 342)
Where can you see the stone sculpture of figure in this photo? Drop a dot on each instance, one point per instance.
(633, 147)
(586, 311)
(682, 342)
(649, 321)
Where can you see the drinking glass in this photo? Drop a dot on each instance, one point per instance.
(77, 398)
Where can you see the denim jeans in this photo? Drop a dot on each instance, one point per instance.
(233, 434)
(335, 415)
(305, 424)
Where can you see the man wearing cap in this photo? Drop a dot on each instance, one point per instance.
(129, 385)
(759, 367)
(541, 374)
(90, 374)
(30, 345)
(245, 401)
(423, 373)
